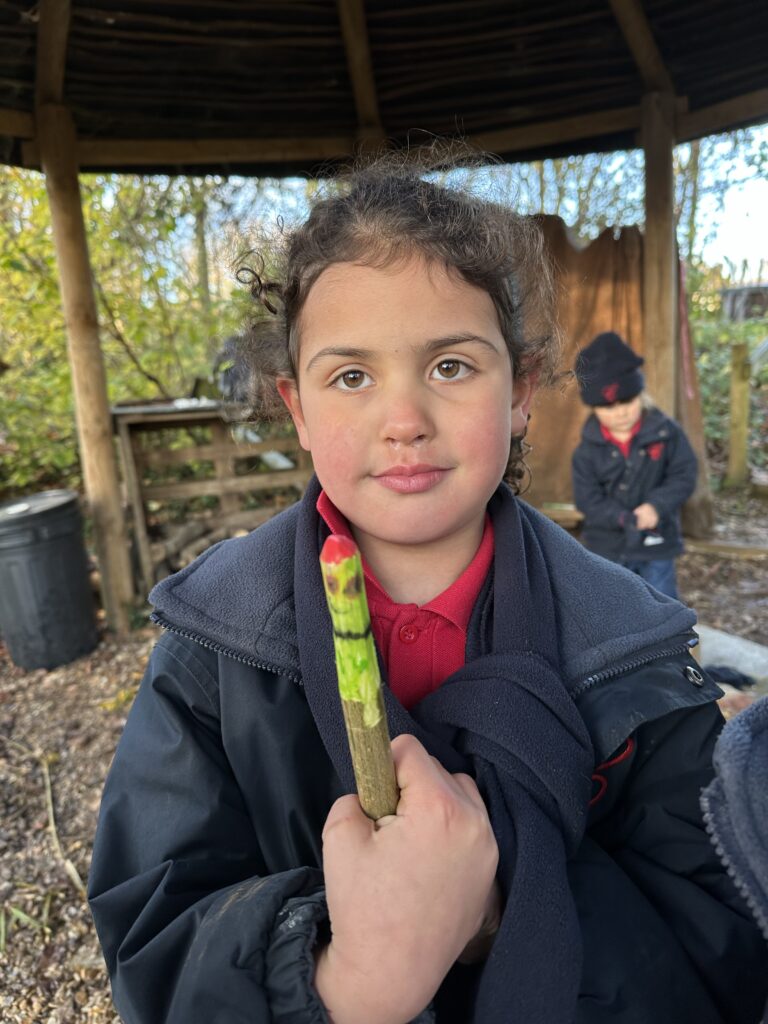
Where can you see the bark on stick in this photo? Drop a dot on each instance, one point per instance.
(359, 681)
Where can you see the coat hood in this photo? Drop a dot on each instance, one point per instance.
(238, 598)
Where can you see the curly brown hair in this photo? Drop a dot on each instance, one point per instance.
(384, 212)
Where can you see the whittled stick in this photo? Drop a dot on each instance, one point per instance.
(359, 680)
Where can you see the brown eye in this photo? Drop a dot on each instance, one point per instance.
(332, 583)
(449, 368)
(352, 380)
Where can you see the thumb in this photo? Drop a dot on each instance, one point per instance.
(347, 822)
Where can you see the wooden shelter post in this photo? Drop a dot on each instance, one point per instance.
(57, 143)
(659, 252)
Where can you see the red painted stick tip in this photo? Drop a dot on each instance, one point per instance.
(337, 548)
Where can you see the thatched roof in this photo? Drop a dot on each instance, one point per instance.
(271, 87)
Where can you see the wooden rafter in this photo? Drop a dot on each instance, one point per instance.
(52, 34)
(638, 36)
(357, 47)
(190, 152)
(564, 129)
(751, 108)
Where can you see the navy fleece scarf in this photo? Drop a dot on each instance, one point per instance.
(507, 719)
(735, 805)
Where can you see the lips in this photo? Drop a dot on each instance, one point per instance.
(411, 479)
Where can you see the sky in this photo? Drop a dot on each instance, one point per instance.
(742, 232)
(739, 230)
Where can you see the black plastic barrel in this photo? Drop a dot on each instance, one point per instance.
(46, 602)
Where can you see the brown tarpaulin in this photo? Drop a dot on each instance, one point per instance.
(600, 287)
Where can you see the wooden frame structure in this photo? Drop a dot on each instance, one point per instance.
(255, 87)
(134, 424)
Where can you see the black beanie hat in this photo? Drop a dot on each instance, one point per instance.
(608, 371)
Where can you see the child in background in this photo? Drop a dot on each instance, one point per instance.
(548, 861)
(633, 468)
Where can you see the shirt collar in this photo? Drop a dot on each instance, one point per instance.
(455, 603)
(614, 440)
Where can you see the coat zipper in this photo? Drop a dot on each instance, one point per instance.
(682, 647)
(210, 645)
(725, 860)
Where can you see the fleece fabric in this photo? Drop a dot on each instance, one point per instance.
(240, 594)
(206, 881)
(735, 805)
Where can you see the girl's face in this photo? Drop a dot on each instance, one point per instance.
(406, 401)
(620, 417)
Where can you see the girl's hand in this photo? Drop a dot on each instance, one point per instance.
(646, 517)
(404, 899)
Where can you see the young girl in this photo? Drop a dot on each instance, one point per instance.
(633, 469)
(547, 862)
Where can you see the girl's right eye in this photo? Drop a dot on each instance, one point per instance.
(351, 380)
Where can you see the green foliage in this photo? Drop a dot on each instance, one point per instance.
(712, 336)
(162, 251)
(159, 331)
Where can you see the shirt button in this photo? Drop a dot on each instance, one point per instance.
(409, 634)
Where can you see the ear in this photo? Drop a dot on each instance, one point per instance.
(522, 398)
(289, 393)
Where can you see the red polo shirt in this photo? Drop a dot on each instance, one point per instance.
(623, 446)
(420, 645)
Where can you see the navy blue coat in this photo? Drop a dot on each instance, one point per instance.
(661, 470)
(206, 882)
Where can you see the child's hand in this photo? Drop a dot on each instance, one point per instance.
(646, 517)
(404, 899)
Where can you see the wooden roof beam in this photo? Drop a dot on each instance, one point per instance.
(202, 152)
(199, 152)
(749, 108)
(354, 29)
(638, 36)
(52, 35)
(540, 134)
(17, 123)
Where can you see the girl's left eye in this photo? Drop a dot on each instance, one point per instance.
(451, 369)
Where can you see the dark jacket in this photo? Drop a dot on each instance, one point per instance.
(661, 469)
(206, 885)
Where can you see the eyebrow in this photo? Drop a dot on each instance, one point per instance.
(433, 345)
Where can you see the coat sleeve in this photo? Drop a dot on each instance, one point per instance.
(193, 927)
(599, 508)
(679, 480)
(664, 928)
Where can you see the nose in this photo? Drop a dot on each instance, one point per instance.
(406, 418)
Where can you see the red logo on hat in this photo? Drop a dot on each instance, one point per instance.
(609, 392)
(655, 450)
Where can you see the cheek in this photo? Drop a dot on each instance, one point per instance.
(487, 436)
(334, 442)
